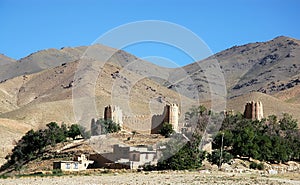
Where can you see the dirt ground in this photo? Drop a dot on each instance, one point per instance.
(173, 177)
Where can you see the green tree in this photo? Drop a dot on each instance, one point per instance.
(166, 130)
(215, 157)
(55, 134)
(108, 126)
(187, 157)
(32, 144)
(74, 131)
(288, 123)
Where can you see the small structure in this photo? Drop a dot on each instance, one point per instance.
(131, 157)
(253, 110)
(78, 164)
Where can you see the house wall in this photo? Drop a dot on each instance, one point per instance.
(147, 157)
(69, 166)
(79, 163)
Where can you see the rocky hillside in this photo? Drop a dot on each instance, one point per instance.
(267, 67)
(5, 60)
(39, 88)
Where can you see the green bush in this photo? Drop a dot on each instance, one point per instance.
(166, 130)
(254, 165)
(57, 172)
(74, 131)
(215, 157)
(102, 126)
(260, 166)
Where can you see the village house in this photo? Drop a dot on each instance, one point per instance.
(131, 157)
(78, 164)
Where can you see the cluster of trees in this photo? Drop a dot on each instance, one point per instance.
(179, 154)
(102, 126)
(33, 143)
(270, 139)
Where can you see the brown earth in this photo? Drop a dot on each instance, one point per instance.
(38, 89)
(171, 177)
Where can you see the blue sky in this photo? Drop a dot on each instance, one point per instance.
(32, 25)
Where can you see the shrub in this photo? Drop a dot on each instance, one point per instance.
(259, 166)
(166, 130)
(57, 172)
(102, 126)
(253, 165)
(215, 157)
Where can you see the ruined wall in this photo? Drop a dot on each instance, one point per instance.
(114, 113)
(253, 110)
(170, 115)
(146, 124)
(139, 123)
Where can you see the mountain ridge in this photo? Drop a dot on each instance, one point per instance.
(40, 87)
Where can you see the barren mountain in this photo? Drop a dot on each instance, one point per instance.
(40, 88)
(39, 61)
(5, 60)
(267, 67)
(47, 96)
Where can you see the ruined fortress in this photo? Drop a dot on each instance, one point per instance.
(254, 110)
(151, 124)
(146, 124)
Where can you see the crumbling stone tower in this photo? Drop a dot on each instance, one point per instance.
(254, 110)
(172, 116)
(114, 113)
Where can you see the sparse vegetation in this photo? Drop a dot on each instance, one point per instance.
(33, 143)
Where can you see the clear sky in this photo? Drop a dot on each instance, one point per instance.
(31, 25)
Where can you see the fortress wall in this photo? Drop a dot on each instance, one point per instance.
(144, 123)
(253, 110)
(141, 124)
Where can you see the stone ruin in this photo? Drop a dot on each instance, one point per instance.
(254, 110)
(147, 124)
